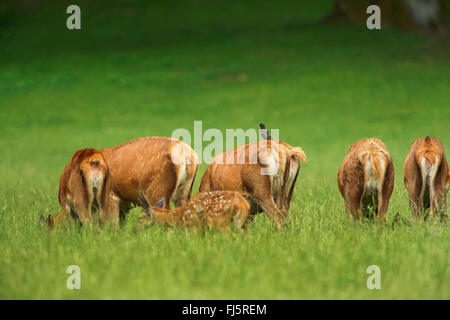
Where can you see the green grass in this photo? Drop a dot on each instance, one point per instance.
(147, 69)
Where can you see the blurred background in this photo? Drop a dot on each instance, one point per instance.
(140, 68)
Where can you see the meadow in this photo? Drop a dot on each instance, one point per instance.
(145, 69)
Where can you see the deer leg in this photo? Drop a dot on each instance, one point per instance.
(83, 212)
(269, 207)
(260, 190)
(385, 192)
(382, 208)
(355, 211)
(110, 212)
(415, 205)
(441, 205)
(433, 202)
(354, 203)
(115, 212)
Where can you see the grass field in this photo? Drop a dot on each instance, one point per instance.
(140, 69)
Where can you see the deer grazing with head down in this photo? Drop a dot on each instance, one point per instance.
(142, 171)
(147, 169)
(265, 172)
(366, 179)
(85, 188)
(427, 177)
(222, 210)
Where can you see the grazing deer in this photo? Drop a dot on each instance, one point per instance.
(265, 172)
(218, 209)
(427, 177)
(366, 179)
(147, 169)
(85, 187)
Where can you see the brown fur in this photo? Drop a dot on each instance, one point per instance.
(426, 175)
(447, 186)
(143, 172)
(80, 193)
(269, 192)
(219, 209)
(366, 178)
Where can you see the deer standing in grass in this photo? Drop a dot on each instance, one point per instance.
(427, 177)
(85, 188)
(265, 172)
(147, 169)
(366, 179)
(222, 210)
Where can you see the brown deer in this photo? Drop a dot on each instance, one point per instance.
(427, 177)
(147, 169)
(85, 187)
(220, 210)
(265, 172)
(366, 179)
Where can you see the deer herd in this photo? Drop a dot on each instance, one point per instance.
(153, 172)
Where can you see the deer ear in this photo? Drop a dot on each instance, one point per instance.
(161, 203)
(50, 221)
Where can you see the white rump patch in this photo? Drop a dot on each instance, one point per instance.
(428, 174)
(184, 182)
(372, 183)
(429, 171)
(270, 161)
(181, 175)
(96, 182)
